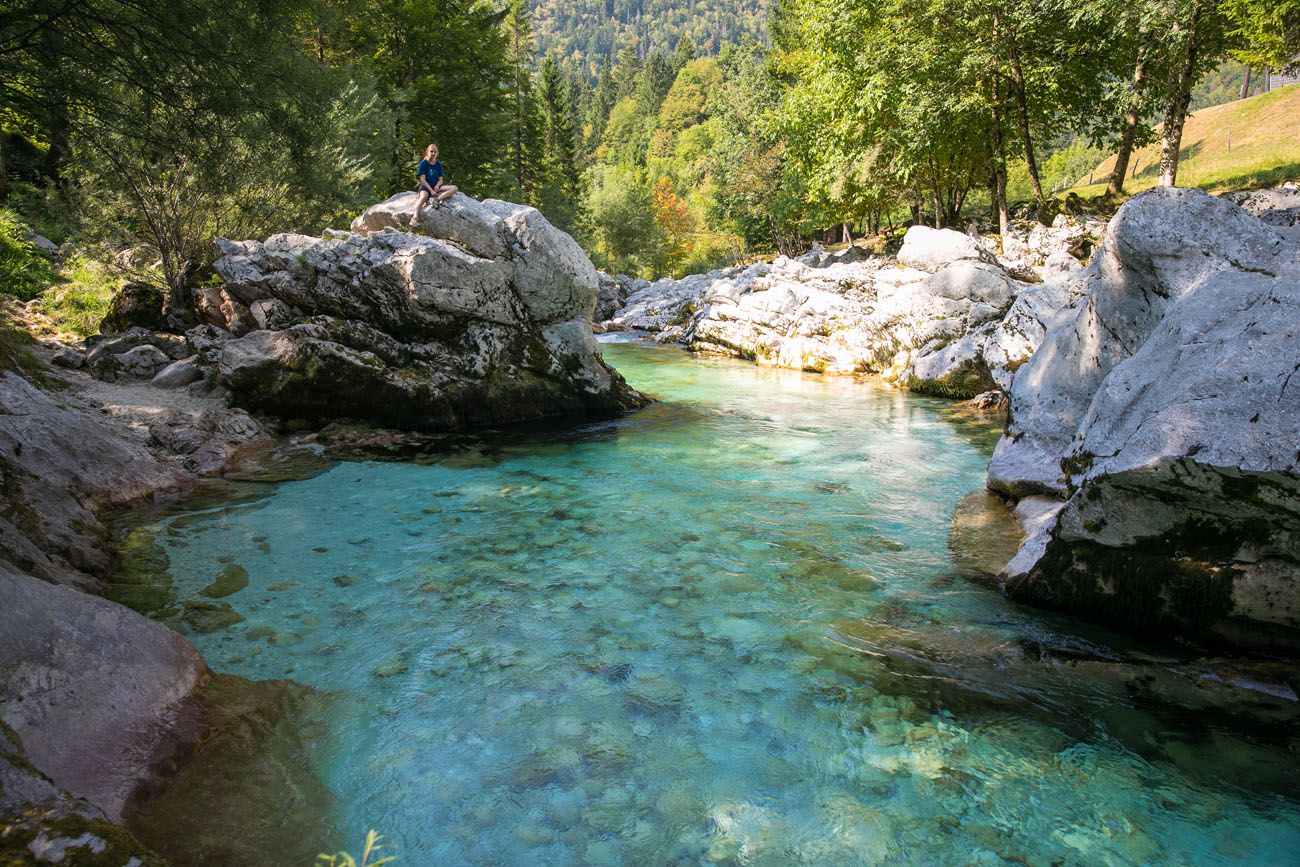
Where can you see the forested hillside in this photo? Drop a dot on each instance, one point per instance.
(588, 31)
(654, 132)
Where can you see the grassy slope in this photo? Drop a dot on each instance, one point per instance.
(1265, 148)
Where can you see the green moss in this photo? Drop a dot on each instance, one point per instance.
(1013, 366)
(685, 315)
(1077, 464)
(116, 845)
(962, 384)
(141, 574)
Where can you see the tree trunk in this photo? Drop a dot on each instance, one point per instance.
(1131, 120)
(1022, 116)
(994, 206)
(1245, 85)
(1000, 166)
(1182, 77)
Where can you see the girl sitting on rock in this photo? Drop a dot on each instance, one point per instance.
(430, 176)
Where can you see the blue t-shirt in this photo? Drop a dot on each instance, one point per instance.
(432, 172)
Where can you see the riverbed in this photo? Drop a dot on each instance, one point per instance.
(730, 628)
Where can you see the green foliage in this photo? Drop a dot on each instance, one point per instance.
(588, 32)
(1269, 30)
(1071, 164)
(374, 843)
(1225, 85)
(78, 302)
(561, 194)
(623, 235)
(25, 268)
(524, 147)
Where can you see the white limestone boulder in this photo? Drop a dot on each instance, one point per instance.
(1164, 407)
(931, 249)
(487, 322)
(462, 220)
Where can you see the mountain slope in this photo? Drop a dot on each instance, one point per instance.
(589, 30)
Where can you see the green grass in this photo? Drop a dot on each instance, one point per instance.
(77, 303)
(1247, 144)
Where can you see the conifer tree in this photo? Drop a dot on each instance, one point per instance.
(524, 147)
(560, 197)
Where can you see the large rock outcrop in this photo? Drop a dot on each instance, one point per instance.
(944, 318)
(92, 689)
(60, 466)
(485, 320)
(1163, 409)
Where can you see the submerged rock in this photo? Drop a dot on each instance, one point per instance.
(232, 579)
(486, 322)
(255, 774)
(1163, 407)
(204, 617)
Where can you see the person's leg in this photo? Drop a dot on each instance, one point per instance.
(419, 206)
(447, 191)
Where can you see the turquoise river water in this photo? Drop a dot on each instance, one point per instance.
(727, 629)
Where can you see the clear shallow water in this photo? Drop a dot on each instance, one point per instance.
(722, 630)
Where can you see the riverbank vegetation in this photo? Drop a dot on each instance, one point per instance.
(667, 142)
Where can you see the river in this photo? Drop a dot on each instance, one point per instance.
(726, 629)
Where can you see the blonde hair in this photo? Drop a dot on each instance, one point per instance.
(432, 146)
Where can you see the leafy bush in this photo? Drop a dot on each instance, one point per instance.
(1072, 165)
(79, 301)
(25, 268)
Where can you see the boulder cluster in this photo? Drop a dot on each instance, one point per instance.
(482, 317)
(1155, 434)
(486, 319)
(947, 316)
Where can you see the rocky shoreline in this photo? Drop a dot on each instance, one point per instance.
(1149, 454)
(950, 315)
(1153, 435)
(482, 320)
(1135, 508)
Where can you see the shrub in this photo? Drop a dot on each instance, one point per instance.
(25, 269)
